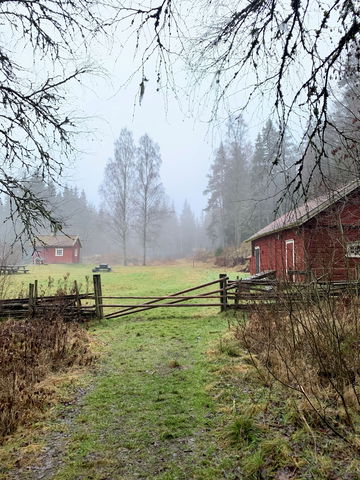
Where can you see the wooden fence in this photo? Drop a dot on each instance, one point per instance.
(178, 299)
(69, 305)
(223, 293)
(240, 294)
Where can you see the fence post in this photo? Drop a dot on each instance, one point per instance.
(77, 295)
(237, 292)
(99, 311)
(223, 293)
(31, 299)
(36, 290)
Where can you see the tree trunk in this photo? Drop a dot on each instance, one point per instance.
(144, 246)
(125, 253)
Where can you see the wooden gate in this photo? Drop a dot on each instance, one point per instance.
(244, 294)
(216, 297)
(247, 294)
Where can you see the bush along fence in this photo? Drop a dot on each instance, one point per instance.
(239, 294)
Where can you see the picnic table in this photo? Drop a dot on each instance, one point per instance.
(103, 267)
(12, 269)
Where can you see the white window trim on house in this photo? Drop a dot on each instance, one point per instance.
(59, 252)
(353, 250)
(75, 252)
(290, 242)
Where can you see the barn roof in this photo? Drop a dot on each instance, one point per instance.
(57, 240)
(300, 215)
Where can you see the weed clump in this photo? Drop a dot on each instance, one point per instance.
(230, 347)
(174, 364)
(243, 431)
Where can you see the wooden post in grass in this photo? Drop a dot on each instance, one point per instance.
(223, 293)
(99, 310)
(77, 295)
(35, 296)
(237, 293)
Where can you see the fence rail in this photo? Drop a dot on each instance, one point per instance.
(239, 294)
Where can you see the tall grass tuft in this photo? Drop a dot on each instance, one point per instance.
(243, 431)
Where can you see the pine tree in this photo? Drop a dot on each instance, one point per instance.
(237, 182)
(216, 203)
(188, 230)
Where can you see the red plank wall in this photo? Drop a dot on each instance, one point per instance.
(320, 244)
(48, 254)
(272, 251)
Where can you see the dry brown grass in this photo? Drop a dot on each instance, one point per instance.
(30, 350)
(314, 350)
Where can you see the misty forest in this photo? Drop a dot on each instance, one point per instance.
(180, 240)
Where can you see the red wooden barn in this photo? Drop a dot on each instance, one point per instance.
(57, 249)
(320, 239)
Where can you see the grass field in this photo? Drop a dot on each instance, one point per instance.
(172, 397)
(148, 402)
(148, 280)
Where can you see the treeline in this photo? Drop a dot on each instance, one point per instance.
(251, 184)
(140, 217)
(248, 184)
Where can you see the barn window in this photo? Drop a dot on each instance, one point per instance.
(76, 252)
(353, 250)
(59, 252)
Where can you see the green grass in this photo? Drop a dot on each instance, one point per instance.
(152, 417)
(148, 413)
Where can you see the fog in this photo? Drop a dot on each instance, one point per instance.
(185, 142)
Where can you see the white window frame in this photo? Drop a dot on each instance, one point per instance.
(290, 242)
(59, 252)
(350, 246)
(75, 252)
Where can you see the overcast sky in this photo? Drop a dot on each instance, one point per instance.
(185, 143)
(185, 138)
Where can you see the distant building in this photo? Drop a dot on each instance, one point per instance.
(320, 239)
(57, 249)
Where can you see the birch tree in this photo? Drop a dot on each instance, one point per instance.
(149, 193)
(117, 189)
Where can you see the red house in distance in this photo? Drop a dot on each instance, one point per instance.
(57, 249)
(319, 240)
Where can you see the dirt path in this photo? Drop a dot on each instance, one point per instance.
(50, 458)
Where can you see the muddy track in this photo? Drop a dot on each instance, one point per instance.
(50, 459)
